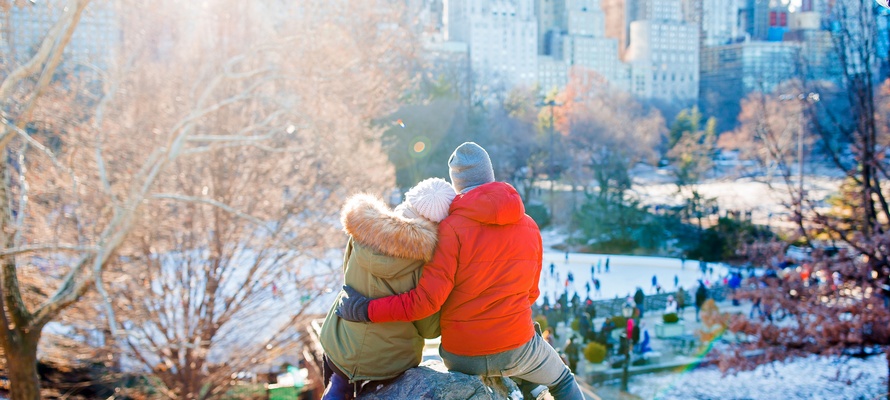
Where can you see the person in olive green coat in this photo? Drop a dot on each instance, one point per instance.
(384, 256)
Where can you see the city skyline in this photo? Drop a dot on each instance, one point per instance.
(662, 51)
(651, 49)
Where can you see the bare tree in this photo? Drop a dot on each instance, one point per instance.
(767, 132)
(107, 175)
(774, 131)
(609, 132)
(201, 282)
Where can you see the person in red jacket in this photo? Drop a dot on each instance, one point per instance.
(484, 278)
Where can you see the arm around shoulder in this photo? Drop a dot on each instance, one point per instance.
(433, 288)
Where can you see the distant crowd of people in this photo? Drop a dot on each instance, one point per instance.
(594, 270)
(566, 309)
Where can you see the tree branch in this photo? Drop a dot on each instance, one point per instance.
(211, 202)
(47, 247)
(43, 52)
(23, 197)
(69, 292)
(12, 294)
(58, 44)
(31, 141)
(98, 119)
(241, 135)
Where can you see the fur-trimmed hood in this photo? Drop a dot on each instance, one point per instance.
(374, 225)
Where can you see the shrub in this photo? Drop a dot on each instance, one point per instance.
(539, 213)
(719, 242)
(542, 320)
(595, 352)
(670, 318)
(710, 306)
(576, 325)
(617, 223)
(714, 323)
(710, 314)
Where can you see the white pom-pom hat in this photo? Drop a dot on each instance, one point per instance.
(431, 198)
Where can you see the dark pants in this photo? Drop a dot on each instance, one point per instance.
(339, 387)
(336, 383)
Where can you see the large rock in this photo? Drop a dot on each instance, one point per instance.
(432, 381)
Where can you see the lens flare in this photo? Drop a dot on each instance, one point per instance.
(418, 147)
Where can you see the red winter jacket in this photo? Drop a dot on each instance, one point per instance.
(483, 275)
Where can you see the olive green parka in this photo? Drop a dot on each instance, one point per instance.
(384, 256)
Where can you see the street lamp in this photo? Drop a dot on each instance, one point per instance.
(627, 311)
(551, 103)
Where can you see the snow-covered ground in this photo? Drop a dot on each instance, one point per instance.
(626, 273)
(765, 195)
(804, 379)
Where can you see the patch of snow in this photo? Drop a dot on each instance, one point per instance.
(803, 379)
(767, 199)
(626, 273)
(552, 237)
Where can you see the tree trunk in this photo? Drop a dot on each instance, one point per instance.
(21, 361)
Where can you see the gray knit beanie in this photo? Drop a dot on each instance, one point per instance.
(469, 167)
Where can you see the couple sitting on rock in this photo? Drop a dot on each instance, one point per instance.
(466, 257)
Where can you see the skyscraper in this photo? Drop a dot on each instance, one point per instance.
(720, 21)
(549, 15)
(665, 10)
(730, 72)
(664, 54)
(755, 18)
(778, 22)
(818, 60)
(619, 14)
(584, 43)
(502, 39)
(553, 74)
